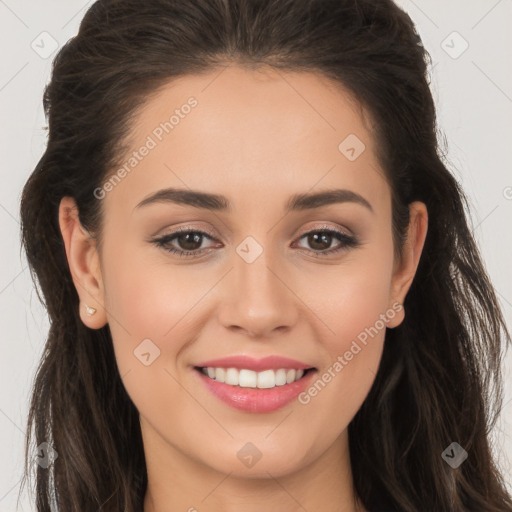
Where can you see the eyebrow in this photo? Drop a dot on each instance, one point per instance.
(216, 202)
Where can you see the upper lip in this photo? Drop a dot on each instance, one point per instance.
(257, 365)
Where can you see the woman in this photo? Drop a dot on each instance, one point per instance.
(262, 287)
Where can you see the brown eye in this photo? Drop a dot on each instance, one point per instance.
(189, 241)
(320, 241)
(183, 242)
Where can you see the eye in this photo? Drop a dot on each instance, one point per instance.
(187, 242)
(320, 241)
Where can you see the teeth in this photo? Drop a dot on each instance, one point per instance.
(280, 377)
(246, 378)
(250, 379)
(220, 374)
(231, 377)
(267, 379)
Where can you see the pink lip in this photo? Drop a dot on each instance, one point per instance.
(257, 365)
(255, 399)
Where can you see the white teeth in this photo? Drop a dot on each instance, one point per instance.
(247, 378)
(220, 374)
(250, 379)
(231, 376)
(266, 379)
(280, 377)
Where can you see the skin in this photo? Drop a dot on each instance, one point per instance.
(256, 137)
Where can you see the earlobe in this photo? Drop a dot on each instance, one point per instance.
(83, 261)
(405, 269)
(395, 314)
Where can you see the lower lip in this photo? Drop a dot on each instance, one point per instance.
(256, 399)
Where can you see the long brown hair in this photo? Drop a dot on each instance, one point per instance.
(439, 380)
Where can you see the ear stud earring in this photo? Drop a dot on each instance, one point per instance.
(90, 311)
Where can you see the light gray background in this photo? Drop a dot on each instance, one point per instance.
(473, 93)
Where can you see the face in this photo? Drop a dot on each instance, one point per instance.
(261, 272)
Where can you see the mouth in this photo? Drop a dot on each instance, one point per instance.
(254, 391)
(245, 378)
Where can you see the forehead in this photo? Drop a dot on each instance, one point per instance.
(250, 131)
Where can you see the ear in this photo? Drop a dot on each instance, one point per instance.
(84, 264)
(405, 269)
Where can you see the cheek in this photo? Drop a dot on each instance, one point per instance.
(150, 310)
(146, 300)
(356, 306)
(354, 296)
(355, 310)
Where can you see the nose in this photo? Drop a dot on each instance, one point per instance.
(257, 298)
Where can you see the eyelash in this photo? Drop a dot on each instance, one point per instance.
(348, 241)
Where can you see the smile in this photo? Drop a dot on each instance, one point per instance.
(245, 378)
(256, 392)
